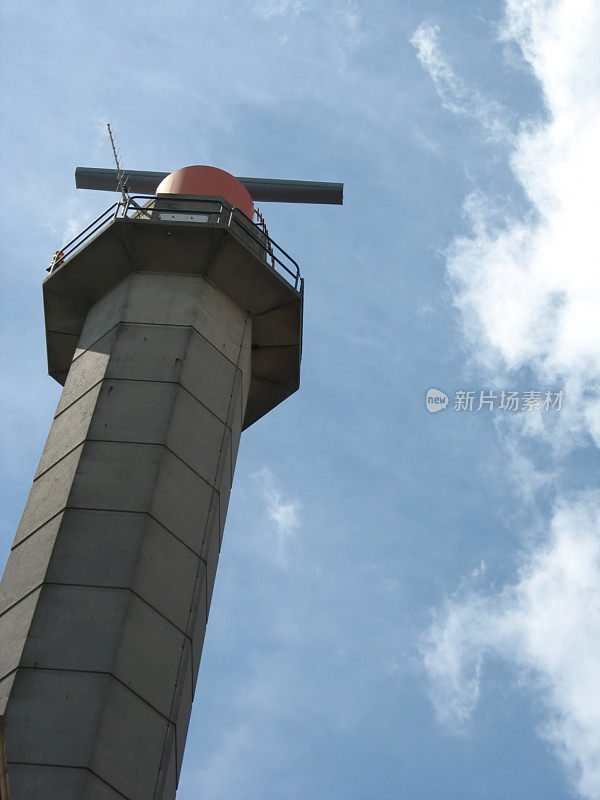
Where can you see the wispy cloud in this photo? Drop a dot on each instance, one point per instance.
(282, 513)
(528, 289)
(456, 96)
(279, 8)
(548, 625)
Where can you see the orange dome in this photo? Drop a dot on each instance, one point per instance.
(208, 182)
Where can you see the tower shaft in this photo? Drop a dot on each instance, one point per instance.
(105, 597)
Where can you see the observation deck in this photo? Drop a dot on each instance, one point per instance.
(191, 235)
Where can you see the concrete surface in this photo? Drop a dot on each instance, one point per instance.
(105, 597)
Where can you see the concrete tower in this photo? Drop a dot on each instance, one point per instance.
(173, 323)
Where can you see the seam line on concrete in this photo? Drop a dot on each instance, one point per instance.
(8, 674)
(120, 441)
(256, 347)
(43, 765)
(268, 380)
(20, 600)
(80, 444)
(275, 308)
(58, 460)
(122, 589)
(77, 399)
(64, 333)
(91, 344)
(39, 527)
(109, 511)
(150, 325)
(111, 674)
(106, 783)
(100, 586)
(174, 535)
(145, 380)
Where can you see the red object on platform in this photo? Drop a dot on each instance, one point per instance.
(208, 182)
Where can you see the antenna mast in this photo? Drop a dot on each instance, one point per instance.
(121, 180)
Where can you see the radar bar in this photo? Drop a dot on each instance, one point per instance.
(267, 190)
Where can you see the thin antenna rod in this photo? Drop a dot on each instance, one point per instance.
(120, 181)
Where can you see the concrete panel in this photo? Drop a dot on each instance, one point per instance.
(148, 655)
(236, 428)
(208, 375)
(220, 321)
(225, 468)
(181, 501)
(96, 789)
(97, 548)
(167, 779)
(170, 786)
(87, 370)
(75, 628)
(27, 565)
(198, 620)
(225, 490)
(68, 430)
(162, 299)
(115, 476)
(148, 352)
(235, 415)
(183, 705)
(103, 316)
(14, 627)
(5, 690)
(166, 574)
(129, 743)
(212, 522)
(52, 716)
(214, 546)
(132, 411)
(196, 436)
(42, 782)
(48, 495)
(186, 300)
(245, 360)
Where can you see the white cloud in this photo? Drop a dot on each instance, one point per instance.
(547, 624)
(455, 95)
(528, 289)
(529, 286)
(526, 477)
(279, 8)
(284, 514)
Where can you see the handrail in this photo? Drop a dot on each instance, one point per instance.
(295, 274)
(68, 249)
(223, 215)
(164, 203)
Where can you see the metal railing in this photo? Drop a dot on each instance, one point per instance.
(60, 256)
(186, 211)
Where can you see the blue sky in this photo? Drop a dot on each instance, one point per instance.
(407, 604)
